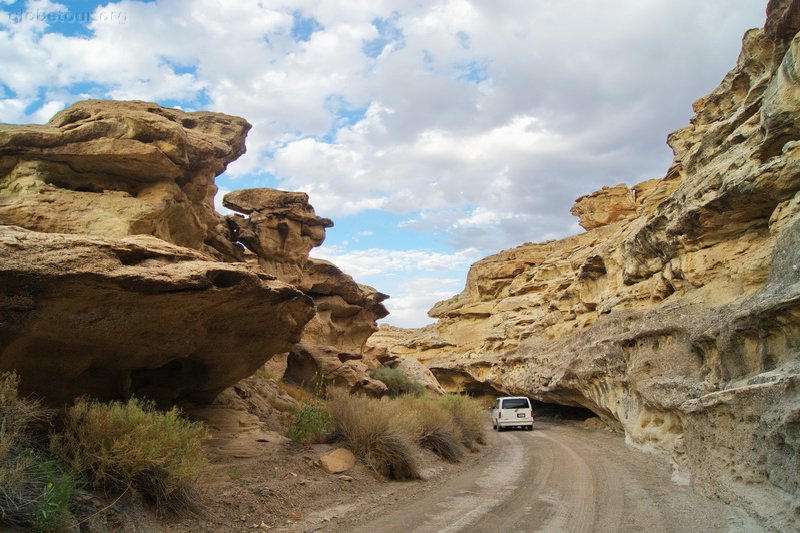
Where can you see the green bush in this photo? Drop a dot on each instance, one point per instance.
(35, 491)
(376, 433)
(51, 511)
(398, 382)
(311, 423)
(468, 415)
(120, 446)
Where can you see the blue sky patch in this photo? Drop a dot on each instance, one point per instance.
(304, 27)
(41, 99)
(388, 233)
(474, 71)
(181, 69)
(388, 33)
(344, 113)
(6, 91)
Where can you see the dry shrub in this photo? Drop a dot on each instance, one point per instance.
(120, 446)
(397, 382)
(19, 417)
(296, 391)
(35, 491)
(376, 434)
(435, 428)
(468, 415)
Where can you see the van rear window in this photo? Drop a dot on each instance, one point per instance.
(516, 403)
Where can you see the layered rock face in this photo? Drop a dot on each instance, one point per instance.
(117, 277)
(112, 169)
(676, 317)
(136, 316)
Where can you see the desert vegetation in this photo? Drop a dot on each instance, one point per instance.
(130, 445)
(131, 448)
(35, 490)
(388, 433)
(397, 382)
(113, 448)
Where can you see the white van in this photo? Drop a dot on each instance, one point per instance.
(512, 411)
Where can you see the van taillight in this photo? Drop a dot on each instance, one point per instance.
(500, 414)
(531, 413)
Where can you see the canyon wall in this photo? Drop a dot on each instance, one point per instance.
(676, 316)
(118, 277)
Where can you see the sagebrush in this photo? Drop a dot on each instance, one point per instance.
(131, 445)
(397, 382)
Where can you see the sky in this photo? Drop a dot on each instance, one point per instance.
(432, 132)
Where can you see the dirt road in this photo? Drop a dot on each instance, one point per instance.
(559, 477)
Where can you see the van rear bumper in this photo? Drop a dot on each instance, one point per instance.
(514, 422)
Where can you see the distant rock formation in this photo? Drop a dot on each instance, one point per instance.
(117, 277)
(676, 317)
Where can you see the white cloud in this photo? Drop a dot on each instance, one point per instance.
(414, 279)
(375, 261)
(409, 307)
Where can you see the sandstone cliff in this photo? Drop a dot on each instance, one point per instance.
(117, 277)
(676, 317)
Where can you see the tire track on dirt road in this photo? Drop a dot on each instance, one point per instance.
(557, 478)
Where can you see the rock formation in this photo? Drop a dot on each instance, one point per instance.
(117, 277)
(605, 206)
(378, 348)
(280, 230)
(676, 317)
(113, 169)
(112, 318)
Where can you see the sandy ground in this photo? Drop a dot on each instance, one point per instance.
(560, 477)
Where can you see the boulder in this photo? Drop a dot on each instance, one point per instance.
(419, 372)
(128, 282)
(337, 461)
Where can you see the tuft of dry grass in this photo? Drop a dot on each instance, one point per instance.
(120, 446)
(376, 434)
(296, 391)
(18, 417)
(435, 429)
(467, 414)
(35, 491)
